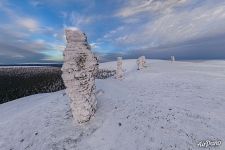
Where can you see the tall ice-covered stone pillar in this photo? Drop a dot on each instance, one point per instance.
(119, 68)
(172, 58)
(141, 61)
(79, 69)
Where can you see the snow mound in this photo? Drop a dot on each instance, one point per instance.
(168, 106)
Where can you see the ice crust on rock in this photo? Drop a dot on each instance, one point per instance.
(119, 68)
(172, 58)
(141, 62)
(79, 70)
(74, 36)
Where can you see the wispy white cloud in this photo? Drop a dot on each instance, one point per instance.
(18, 56)
(20, 29)
(19, 20)
(114, 32)
(111, 26)
(78, 20)
(35, 3)
(173, 27)
(135, 7)
(29, 24)
(94, 45)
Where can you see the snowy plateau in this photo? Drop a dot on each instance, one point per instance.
(166, 106)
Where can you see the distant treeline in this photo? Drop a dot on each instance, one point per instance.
(17, 82)
(32, 65)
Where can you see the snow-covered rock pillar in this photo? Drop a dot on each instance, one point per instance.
(172, 58)
(79, 69)
(119, 68)
(141, 62)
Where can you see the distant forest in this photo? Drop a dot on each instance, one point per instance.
(17, 82)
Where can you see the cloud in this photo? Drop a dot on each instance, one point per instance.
(120, 27)
(112, 33)
(135, 7)
(11, 54)
(28, 23)
(186, 29)
(36, 3)
(173, 27)
(17, 19)
(94, 45)
(78, 20)
(207, 48)
(60, 3)
(23, 37)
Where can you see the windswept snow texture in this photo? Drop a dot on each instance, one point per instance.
(167, 106)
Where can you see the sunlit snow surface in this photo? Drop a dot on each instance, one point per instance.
(167, 106)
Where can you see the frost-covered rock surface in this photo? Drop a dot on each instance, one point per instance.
(172, 58)
(167, 107)
(141, 61)
(79, 70)
(119, 68)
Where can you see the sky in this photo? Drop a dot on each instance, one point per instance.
(32, 31)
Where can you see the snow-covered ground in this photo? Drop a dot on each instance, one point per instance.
(167, 106)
